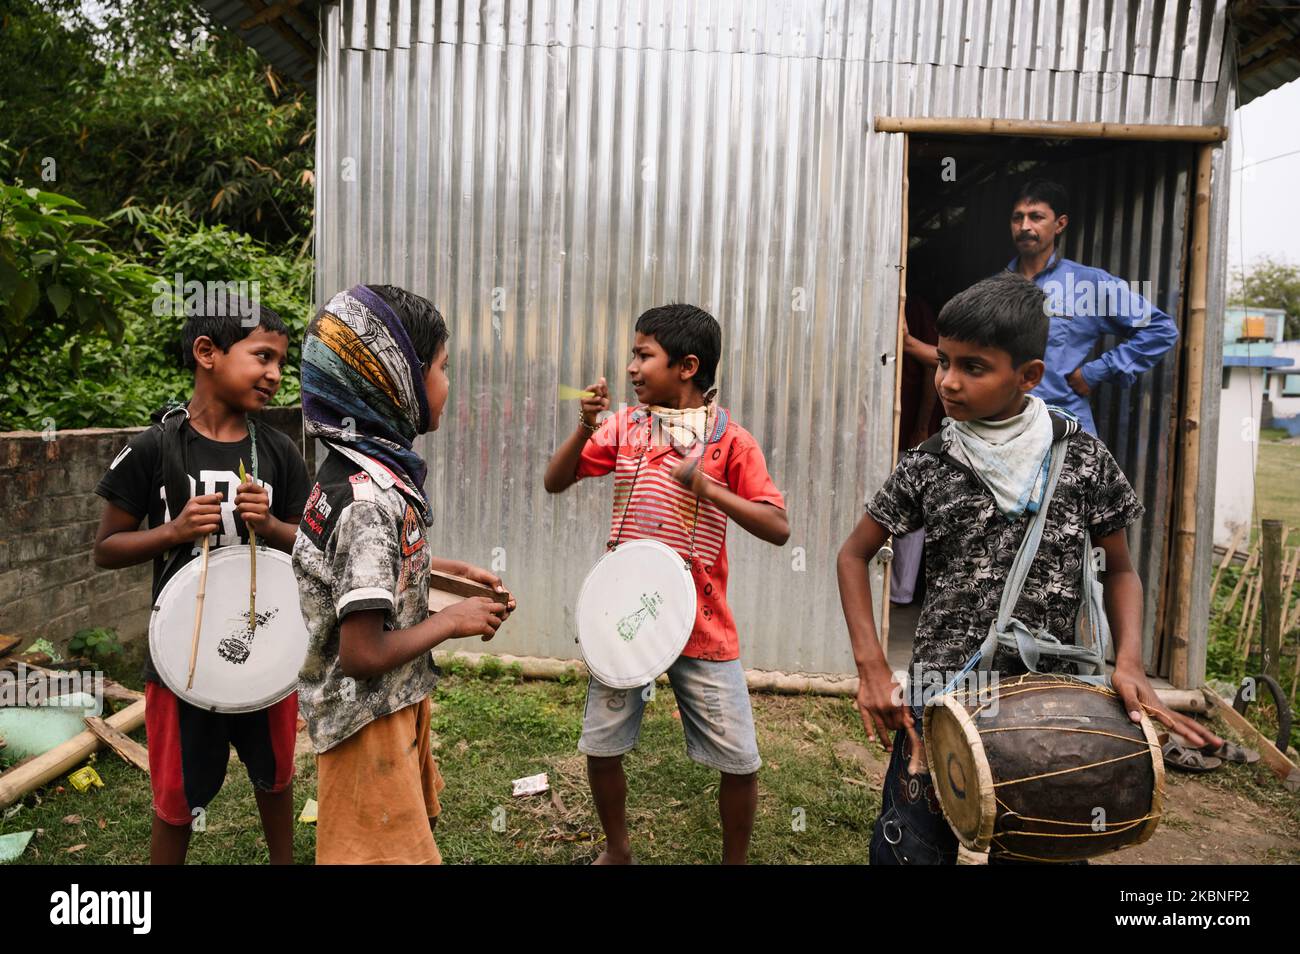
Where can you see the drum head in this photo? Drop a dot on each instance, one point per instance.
(635, 613)
(237, 669)
(959, 769)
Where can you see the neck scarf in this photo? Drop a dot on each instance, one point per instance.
(683, 425)
(1010, 457)
(363, 386)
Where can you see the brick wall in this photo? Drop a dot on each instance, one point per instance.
(49, 584)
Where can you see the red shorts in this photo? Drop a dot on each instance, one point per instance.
(189, 749)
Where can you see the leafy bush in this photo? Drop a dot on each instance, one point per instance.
(96, 644)
(124, 361)
(57, 282)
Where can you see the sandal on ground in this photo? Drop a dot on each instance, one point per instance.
(1232, 752)
(1187, 759)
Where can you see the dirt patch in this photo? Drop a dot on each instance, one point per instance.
(1205, 825)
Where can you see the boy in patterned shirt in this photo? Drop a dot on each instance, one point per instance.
(674, 359)
(974, 487)
(374, 377)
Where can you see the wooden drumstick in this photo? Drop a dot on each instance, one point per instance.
(916, 763)
(252, 565)
(198, 612)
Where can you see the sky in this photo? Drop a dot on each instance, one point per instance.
(1265, 206)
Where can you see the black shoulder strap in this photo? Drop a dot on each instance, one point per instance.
(173, 458)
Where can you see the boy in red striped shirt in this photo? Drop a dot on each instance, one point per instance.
(660, 495)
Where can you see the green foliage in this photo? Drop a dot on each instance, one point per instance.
(1271, 284)
(57, 282)
(152, 104)
(116, 371)
(194, 155)
(1225, 661)
(96, 644)
(178, 246)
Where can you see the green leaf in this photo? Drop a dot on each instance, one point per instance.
(60, 297)
(53, 200)
(24, 298)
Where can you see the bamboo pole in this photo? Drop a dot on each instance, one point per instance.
(1227, 558)
(252, 566)
(198, 612)
(757, 680)
(1293, 616)
(1295, 673)
(1190, 426)
(1045, 129)
(1248, 610)
(31, 775)
(1277, 761)
(1251, 558)
(898, 387)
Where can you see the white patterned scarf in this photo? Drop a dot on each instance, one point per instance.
(1010, 457)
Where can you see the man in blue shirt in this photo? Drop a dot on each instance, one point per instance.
(1086, 303)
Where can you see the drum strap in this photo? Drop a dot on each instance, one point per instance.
(1009, 632)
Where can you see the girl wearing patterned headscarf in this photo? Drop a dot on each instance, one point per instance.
(373, 379)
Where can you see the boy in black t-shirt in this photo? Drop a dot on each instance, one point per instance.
(237, 370)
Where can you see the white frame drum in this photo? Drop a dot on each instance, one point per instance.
(220, 684)
(635, 613)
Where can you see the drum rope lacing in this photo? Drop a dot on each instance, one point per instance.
(1112, 828)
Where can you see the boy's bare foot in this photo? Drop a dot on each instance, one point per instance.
(608, 857)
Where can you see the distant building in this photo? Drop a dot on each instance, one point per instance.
(1253, 360)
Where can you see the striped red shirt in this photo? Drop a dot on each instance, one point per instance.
(662, 509)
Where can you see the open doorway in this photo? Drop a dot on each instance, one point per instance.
(1130, 215)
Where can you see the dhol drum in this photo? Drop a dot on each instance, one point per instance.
(238, 667)
(635, 613)
(1044, 768)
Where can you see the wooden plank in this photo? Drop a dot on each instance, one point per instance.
(130, 750)
(1277, 762)
(36, 772)
(1271, 576)
(113, 692)
(1047, 129)
(8, 644)
(460, 587)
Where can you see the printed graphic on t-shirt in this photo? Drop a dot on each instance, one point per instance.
(226, 483)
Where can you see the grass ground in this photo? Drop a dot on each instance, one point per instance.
(1277, 481)
(1277, 497)
(816, 803)
(819, 792)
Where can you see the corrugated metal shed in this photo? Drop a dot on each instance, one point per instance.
(1268, 43)
(285, 33)
(545, 171)
(1088, 37)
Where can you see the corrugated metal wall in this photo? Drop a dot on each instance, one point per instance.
(545, 171)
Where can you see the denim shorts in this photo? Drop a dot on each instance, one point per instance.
(911, 829)
(714, 704)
